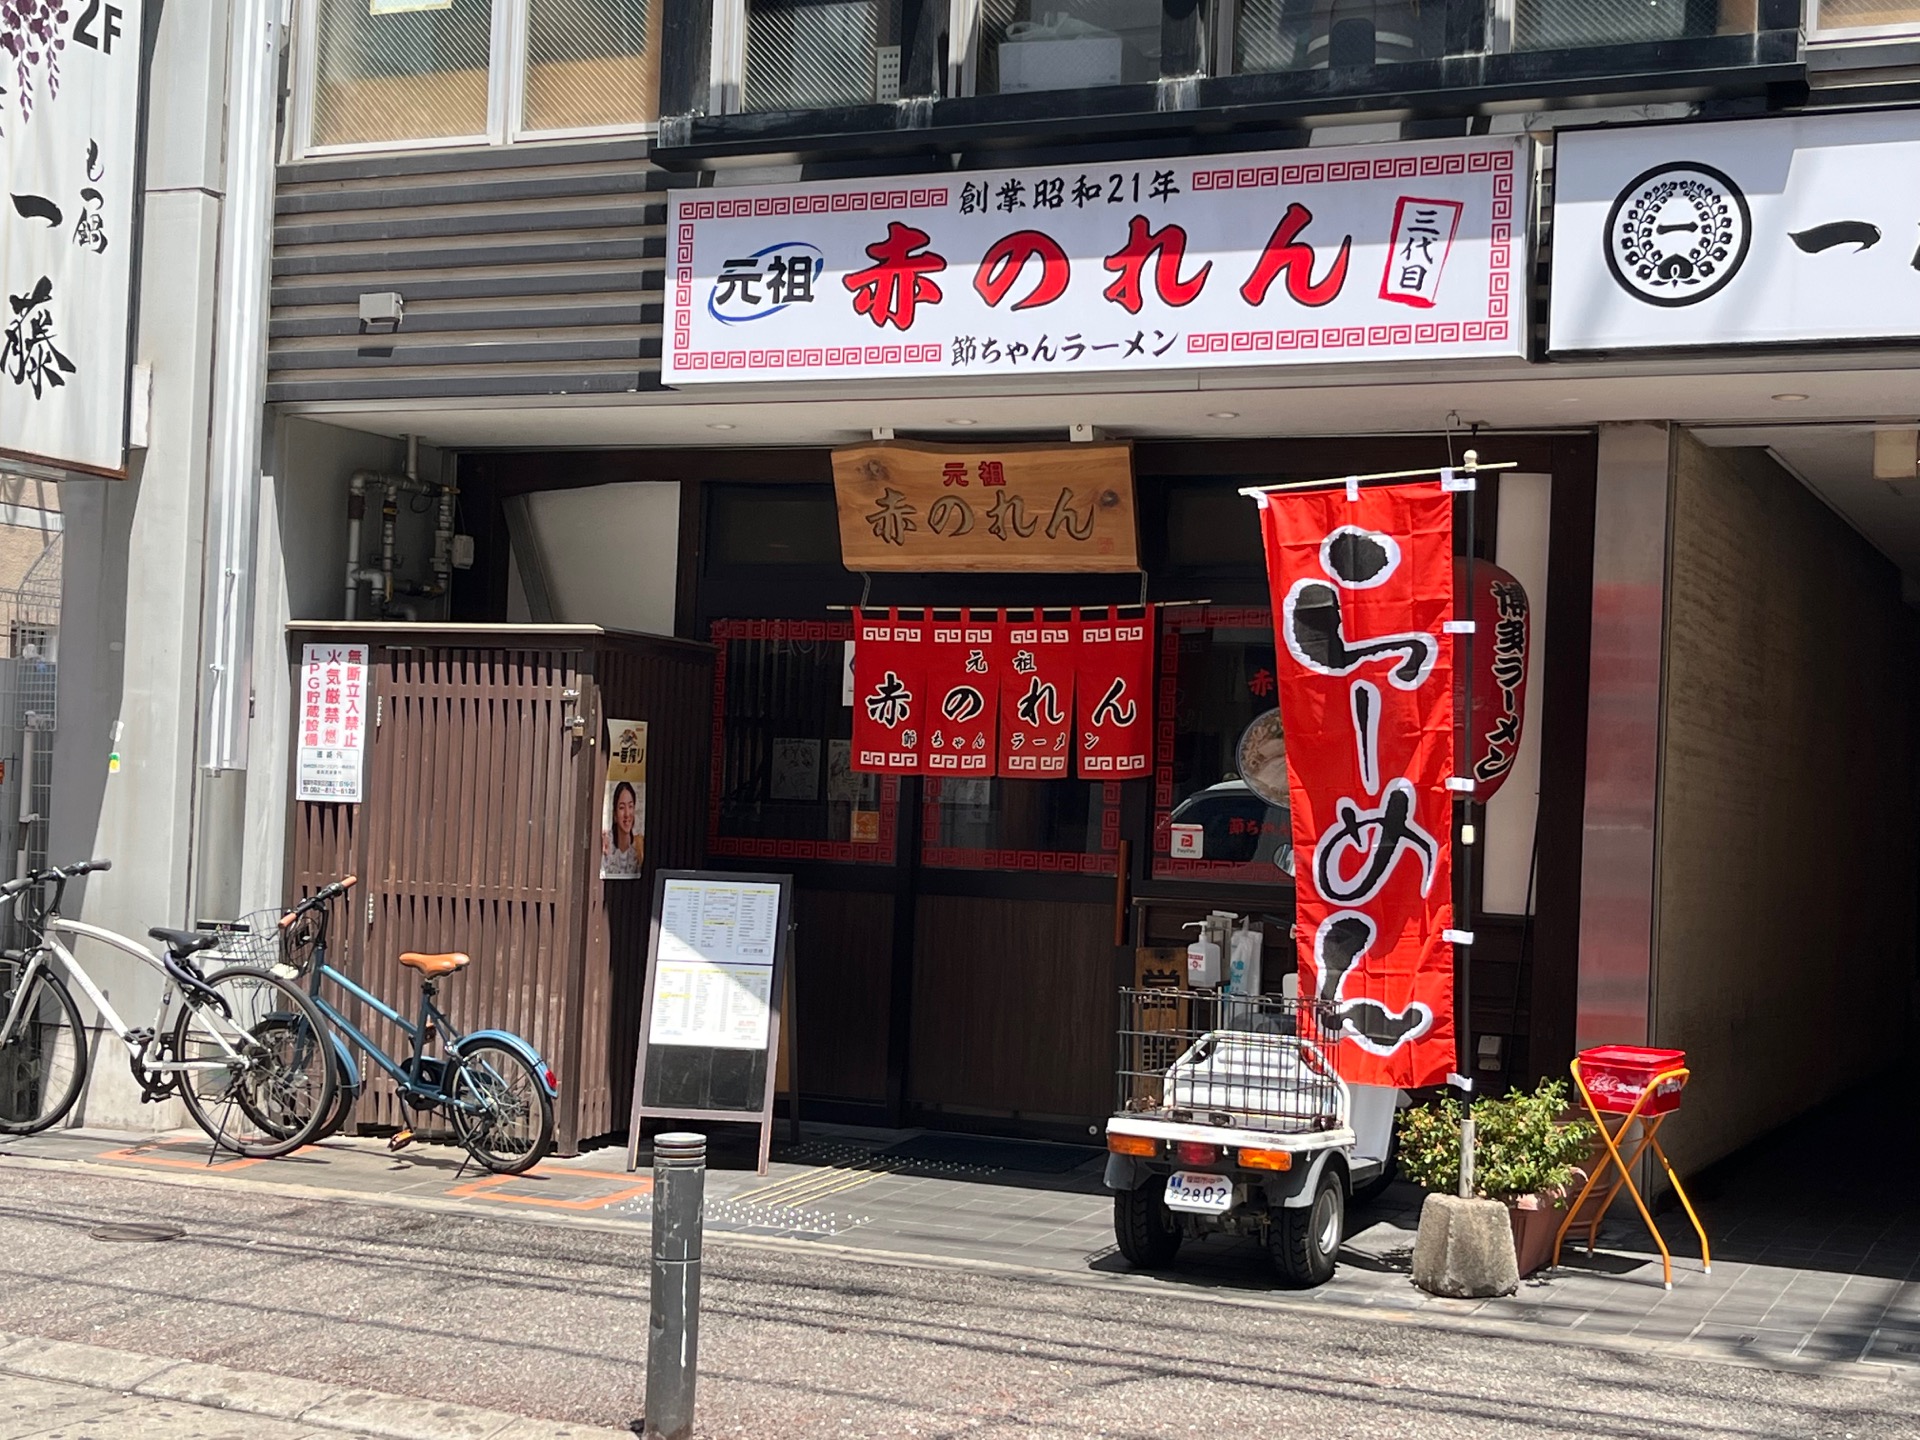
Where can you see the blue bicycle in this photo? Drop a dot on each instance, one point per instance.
(492, 1084)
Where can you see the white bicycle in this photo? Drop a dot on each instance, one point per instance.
(244, 1049)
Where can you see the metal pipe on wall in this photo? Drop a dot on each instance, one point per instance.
(239, 378)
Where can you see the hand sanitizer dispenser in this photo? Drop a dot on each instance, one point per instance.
(1203, 959)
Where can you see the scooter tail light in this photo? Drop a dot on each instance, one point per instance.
(1266, 1159)
(1142, 1145)
(1195, 1152)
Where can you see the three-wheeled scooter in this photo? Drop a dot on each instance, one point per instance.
(1232, 1120)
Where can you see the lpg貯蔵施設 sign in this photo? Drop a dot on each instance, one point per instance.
(333, 723)
(1414, 251)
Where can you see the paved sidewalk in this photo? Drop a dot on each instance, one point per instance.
(1851, 1300)
(58, 1390)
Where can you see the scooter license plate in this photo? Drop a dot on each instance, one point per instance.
(1191, 1190)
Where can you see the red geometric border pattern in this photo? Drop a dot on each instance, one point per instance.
(1329, 172)
(928, 354)
(1211, 617)
(1337, 337)
(1044, 862)
(881, 852)
(847, 202)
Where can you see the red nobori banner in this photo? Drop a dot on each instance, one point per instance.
(890, 706)
(1036, 699)
(1412, 251)
(1113, 706)
(1362, 592)
(962, 702)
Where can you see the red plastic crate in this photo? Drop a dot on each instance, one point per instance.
(1618, 1075)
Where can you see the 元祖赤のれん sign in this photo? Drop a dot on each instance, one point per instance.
(906, 506)
(1386, 252)
(69, 147)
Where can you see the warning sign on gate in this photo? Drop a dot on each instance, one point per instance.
(333, 718)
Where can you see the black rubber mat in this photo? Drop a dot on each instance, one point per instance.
(972, 1150)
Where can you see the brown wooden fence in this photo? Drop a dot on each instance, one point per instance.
(479, 830)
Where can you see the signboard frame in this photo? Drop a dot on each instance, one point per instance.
(144, 34)
(1809, 240)
(779, 997)
(1125, 268)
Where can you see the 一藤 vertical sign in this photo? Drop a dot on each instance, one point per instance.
(333, 723)
(70, 90)
(1362, 585)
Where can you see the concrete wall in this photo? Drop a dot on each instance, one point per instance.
(131, 582)
(301, 568)
(1785, 888)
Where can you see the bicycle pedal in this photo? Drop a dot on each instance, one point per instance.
(400, 1139)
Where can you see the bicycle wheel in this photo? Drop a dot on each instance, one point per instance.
(260, 1074)
(43, 1057)
(501, 1111)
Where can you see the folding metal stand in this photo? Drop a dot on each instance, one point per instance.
(1621, 1167)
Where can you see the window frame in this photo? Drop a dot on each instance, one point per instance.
(506, 93)
(1818, 34)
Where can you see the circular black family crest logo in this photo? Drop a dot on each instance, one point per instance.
(1678, 234)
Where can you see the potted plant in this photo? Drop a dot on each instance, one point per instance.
(1525, 1155)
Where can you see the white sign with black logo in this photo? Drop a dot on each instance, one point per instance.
(1744, 232)
(70, 83)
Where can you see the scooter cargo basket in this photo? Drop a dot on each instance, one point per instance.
(1616, 1076)
(1204, 1058)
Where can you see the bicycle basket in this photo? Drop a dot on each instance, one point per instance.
(257, 939)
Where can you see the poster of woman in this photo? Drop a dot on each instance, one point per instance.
(623, 820)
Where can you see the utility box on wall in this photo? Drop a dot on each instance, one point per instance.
(479, 829)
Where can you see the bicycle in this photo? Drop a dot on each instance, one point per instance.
(492, 1084)
(244, 1050)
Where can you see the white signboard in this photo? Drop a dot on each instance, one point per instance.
(1774, 231)
(333, 722)
(69, 150)
(1387, 252)
(713, 981)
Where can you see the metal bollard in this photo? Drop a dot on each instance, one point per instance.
(673, 1331)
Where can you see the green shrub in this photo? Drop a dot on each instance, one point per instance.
(1521, 1144)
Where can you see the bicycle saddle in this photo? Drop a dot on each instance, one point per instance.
(435, 964)
(184, 942)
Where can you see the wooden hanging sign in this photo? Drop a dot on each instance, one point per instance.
(909, 506)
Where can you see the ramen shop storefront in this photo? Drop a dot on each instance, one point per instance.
(965, 922)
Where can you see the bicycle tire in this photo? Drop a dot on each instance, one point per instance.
(50, 1027)
(504, 1082)
(285, 1087)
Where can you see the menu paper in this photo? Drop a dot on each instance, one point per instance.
(713, 981)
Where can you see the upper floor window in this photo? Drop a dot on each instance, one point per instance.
(387, 74)
(818, 54)
(1863, 19)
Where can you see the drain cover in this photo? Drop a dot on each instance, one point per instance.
(141, 1230)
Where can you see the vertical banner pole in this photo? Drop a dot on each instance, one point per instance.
(1463, 903)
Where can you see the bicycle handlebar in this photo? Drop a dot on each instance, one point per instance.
(56, 877)
(326, 894)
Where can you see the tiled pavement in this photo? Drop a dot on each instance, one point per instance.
(1813, 1266)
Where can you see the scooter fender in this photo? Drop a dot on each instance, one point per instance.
(1294, 1189)
(515, 1043)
